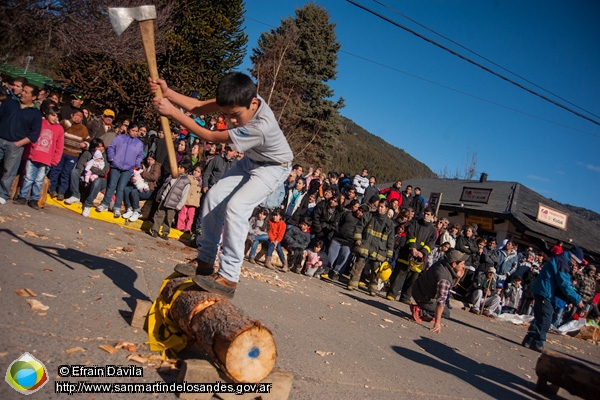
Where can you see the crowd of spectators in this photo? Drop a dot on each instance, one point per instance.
(333, 226)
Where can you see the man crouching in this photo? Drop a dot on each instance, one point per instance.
(431, 289)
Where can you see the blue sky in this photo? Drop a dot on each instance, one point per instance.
(435, 105)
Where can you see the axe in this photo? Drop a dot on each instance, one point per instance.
(120, 19)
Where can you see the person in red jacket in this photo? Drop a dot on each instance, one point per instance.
(276, 234)
(41, 155)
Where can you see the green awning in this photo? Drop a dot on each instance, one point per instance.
(32, 77)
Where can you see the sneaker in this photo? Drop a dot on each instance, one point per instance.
(474, 310)
(372, 293)
(154, 234)
(33, 204)
(127, 214)
(117, 214)
(20, 200)
(72, 200)
(2, 201)
(251, 260)
(164, 236)
(216, 283)
(334, 276)
(86, 211)
(325, 275)
(134, 217)
(53, 194)
(196, 267)
(362, 284)
(416, 312)
(61, 196)
(101, 208)
(390, 297)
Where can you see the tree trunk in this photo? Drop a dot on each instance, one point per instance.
(243, 348)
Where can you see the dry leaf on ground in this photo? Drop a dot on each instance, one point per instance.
(75, 350)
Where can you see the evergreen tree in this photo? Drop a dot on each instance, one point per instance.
(207, 42)
(293, 64)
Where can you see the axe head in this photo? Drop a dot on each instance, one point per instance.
(122, 17)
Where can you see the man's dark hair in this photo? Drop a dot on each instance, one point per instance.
(23, 81)
(34, 89)
(236, 89)
(296, 166)
(373, 199)
(409, 186)
(186, 164)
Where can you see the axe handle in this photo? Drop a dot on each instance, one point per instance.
(147, 30)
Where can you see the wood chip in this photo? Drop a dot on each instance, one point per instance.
(108, 348)
(48, 295)
(388, 320)
(324, 353)
(137, 359)
(75, 350)
(36, 305)
(47, 270)
(22, 292)
(31, 293)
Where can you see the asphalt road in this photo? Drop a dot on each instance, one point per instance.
(338, 344)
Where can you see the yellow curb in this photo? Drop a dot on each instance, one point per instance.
(109, 217)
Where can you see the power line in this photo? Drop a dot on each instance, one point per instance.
(450, 88)
(383, 17)
(482, 57)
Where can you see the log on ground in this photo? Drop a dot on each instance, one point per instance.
(576, 377)
(243, 348)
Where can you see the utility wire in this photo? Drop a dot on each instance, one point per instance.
(482, 57)
(383, 17)
(448, 87)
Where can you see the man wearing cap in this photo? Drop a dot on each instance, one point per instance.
(484, 293)
(68, 109)
(99, 127)
(553, 279)
(431, 289)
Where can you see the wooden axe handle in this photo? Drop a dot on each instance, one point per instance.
(147, 29)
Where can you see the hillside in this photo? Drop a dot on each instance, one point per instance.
(584, 213)
(356, 148)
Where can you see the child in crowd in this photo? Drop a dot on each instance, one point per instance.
(297, 239)
(185, 219)
(257, 232)
(513, 292)
(46, 152)
(313, 259)
(97, 162)
(171, 197)
(276, 234)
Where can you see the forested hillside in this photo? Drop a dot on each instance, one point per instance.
(356, 148)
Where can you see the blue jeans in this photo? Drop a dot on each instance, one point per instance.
(338, 255)
(256, 239)
(60, 174)
(543, 311)
(278, 249)
(34, 179)
(227, 208)
(75, 182)
(133, 196)
(11, 155)
(96, 186)
(117, 180)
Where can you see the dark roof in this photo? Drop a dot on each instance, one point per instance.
(515, 202)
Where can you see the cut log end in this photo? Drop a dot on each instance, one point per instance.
(250, 357)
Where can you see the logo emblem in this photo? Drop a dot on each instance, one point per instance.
(26, 374)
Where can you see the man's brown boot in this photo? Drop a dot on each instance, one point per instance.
(268, 263)
(195, 268)
(216, 283)
(285, 266)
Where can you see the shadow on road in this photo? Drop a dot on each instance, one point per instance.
(121, 275)
(482, 376)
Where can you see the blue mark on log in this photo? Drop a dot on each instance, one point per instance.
(254, 352)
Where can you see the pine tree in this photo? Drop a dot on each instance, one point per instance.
(293, 64)
(206, 43)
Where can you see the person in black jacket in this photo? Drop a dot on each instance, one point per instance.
(343, 237)
(324, 216)
(217, 167)
(431, 289)
(296, 240)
